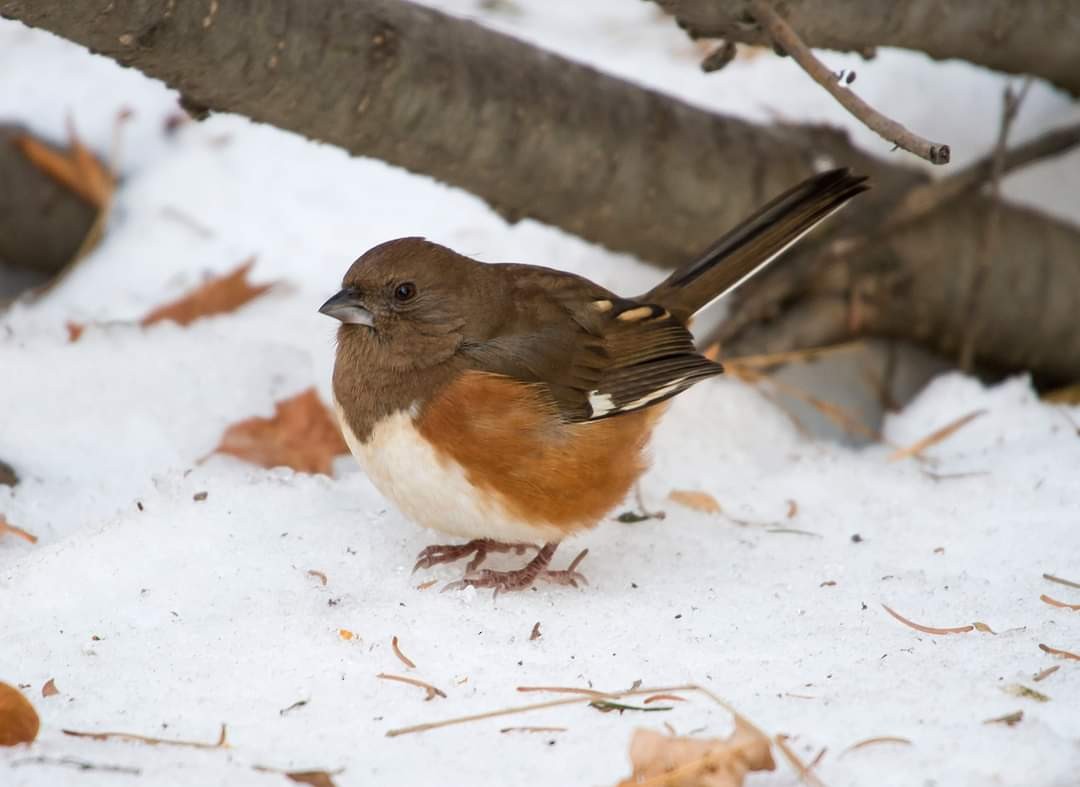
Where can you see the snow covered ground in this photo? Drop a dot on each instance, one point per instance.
(161, 615)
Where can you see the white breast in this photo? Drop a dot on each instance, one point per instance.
(431, 488)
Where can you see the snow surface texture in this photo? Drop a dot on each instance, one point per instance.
(160, 615)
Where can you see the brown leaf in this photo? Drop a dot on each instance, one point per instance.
(219, 295)
(19, 721)
(49, 689)
(698, 501)
(698, 762)
(1055, 603)
(7, 527)
(1065, 654)
(301, 435)
(314, 778)
(77, 169)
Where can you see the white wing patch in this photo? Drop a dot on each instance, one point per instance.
(604, 404)
(601, 404)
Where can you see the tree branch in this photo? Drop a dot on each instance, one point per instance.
(1037, 37)
(788, 40)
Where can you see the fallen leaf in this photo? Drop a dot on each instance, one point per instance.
(535, 634)
(792, 508)
(49, 689)
(319, 575)
(698, 762)
(301, 435)
(1009, 718)
(983, 628)
(219, 295)
(7, 527)
(19, 721)
(935, 437)
(1046, 673)
(698, 501)
(345, 634)
(314, 778)
(76, 168)
(1018, 690)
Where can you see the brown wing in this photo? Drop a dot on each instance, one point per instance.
(597, 354)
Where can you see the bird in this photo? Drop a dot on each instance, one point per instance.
(511, 405)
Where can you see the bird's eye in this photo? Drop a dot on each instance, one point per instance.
(405, 292)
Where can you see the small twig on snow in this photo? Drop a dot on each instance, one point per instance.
(788, 40)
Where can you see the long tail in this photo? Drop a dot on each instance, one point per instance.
(755, 243)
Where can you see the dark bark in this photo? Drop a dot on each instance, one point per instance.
(539, 136)
(42, 223)
(1036, 37)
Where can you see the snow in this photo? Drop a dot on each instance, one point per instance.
(162, 615)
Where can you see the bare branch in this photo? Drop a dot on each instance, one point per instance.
(788, 40)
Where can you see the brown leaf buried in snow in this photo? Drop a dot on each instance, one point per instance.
(699, 501)
(301, 435)
(49, 689)
(219, 295)
(18, 720)
(7, 527)
(77, 169)
(698, 762)
(314, 778)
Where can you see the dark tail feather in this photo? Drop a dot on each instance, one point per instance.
(749, 247)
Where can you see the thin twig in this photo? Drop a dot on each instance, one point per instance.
(875, 741)
(81, 765)
(565, 690)
(788, 40)
(1055, 603)
(973, 320)
(1060, 581)
(802, 770)
(935, 437)
(514, 710)
(927, 197)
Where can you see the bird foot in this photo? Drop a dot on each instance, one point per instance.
(525, 577)
(438, 554)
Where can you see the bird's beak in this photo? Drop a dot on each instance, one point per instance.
(346, 306)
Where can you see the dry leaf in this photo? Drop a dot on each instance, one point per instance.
(49, 689)
(699, 501)
(7, 527)
(1065, 654)
(19, 721)
(535, 633)
(219, 295)
(77, 169)
(698, 762)
(345, 634)
(301, 435)
(314, 778)
(1055, 603)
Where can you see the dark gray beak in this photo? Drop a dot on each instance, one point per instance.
(346, 306)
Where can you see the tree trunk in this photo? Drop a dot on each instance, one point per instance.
(539, 136)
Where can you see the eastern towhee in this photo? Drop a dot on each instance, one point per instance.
(511, 404)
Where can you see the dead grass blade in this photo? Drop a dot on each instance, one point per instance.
(220, 743)
(1055, 603)
(533, 729)
(928, 629)
(876, 741)
(1065, 654)
(432, 692)
(1008, 719)
(514, 710)
(935, 437)
(564, 690)
(768, 360)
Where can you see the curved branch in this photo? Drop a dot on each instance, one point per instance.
(1036, 38)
